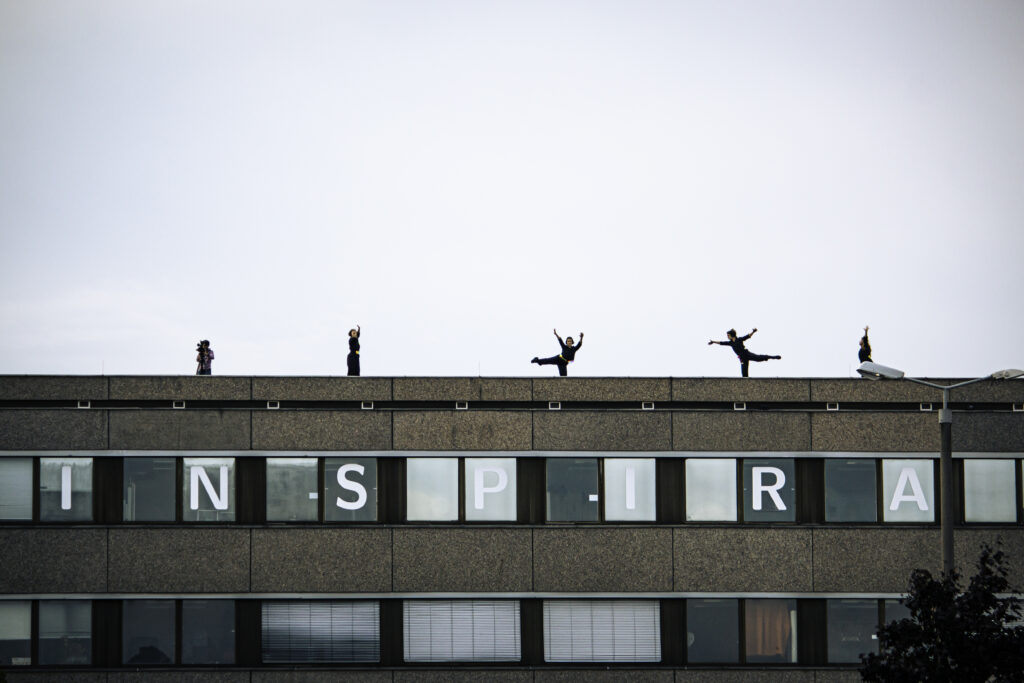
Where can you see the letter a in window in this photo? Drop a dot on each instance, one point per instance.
(349, 485)
(197, 473)
(772, 491)
(908, 475)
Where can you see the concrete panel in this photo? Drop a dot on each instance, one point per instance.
(730, 559)
(865, 390)
(608, 676)
(321, 388)
(839, 431)
(201, 560)
(462, 389)
(741, 431)
(739, 389)
(48, 677)
(462, 559)
(967, 547)
(52, 388)
(53, 560)
(602, 389)
(994, 432)
(180, 429)
(585, 430)
(698, 676)
(321, 676)
(992, 391)
(464, 676)
(873, 560)
(321, 560)
(181, 388)
(321, 430)
(70, 429)
(178, 677)
(463, 430)
(601, 559)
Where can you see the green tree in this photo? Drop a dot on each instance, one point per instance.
(953, 634)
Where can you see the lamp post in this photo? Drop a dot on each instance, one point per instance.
(876, 371)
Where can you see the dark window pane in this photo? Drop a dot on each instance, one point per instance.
(769, 491)
(148, 629)
(350, 490)
(15, 488)
(771, 631)
(292, 489)
(65, 632)
(572, 490)
(65, 489)
(850, 491)
(149, 489)
(15, 633)
(207, 632)
(311, 632)
(852, 625)
(895, 610)
(712, 631)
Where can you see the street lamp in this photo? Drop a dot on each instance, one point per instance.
(876, 371)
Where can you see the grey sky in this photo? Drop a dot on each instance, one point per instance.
(460, 177)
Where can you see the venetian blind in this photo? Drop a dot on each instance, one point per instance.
(461, 630)
(338, 631)
(602, 631)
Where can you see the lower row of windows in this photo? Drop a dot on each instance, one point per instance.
(203, 632)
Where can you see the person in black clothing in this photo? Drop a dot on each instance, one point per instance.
(353, 352)
(204, 358)
(864, 354)
(563, 359)
(741, 351)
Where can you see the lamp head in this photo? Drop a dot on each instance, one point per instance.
(871, 370)
(1007, 374)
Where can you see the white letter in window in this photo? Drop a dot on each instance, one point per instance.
(348, 485)
(197, 473)
(478, 484)
(773, 490)
(630, 488)
(908, 475)
(65, 487)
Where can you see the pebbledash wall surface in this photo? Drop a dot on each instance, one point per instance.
(477, 529)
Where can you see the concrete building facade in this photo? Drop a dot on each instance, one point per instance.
(464, 529)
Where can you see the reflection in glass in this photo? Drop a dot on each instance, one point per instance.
(710, 490)
(350, 490)
(148, 632)
(572, 490)
(990, 491)
(65, 489)
(491, 489)
(908, 491)
(461, 630)
(629, 490)
(771, 631)
(15, 488)
(321, 631)
(65, 632)
(15, 633)
(292, 490)
(432, 489)
(207, 632)
(769, 490)
(149, 485)
(712, 631)
(208, 490)
(850, 491)
(852, 629)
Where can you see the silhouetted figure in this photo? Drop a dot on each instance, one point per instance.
(563, 359)
(864, 354)
(741, 351)
(204, 358)
(353, 351)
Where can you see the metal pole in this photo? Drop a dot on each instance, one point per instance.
(946, 482)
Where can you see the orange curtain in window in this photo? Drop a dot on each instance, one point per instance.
(768, 629)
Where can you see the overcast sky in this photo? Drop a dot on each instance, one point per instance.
(461, 177)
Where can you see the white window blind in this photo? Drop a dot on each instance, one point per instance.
(461, 630)
(602, 631)
(341, 631)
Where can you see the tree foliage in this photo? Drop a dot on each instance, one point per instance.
(953, 634)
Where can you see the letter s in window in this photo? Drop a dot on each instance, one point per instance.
(350, 485)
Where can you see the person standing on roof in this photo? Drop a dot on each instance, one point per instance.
(563, 359)
(741, 351)
(864, 354)
(204, 358)
(353, 351)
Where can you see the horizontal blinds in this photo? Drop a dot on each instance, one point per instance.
(602, 631)
(461, 630)
(337, 631)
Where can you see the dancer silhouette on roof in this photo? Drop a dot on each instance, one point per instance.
(563, 359)
(741, 351)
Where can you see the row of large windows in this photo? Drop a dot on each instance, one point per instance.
(204, 632)
(444, 489)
